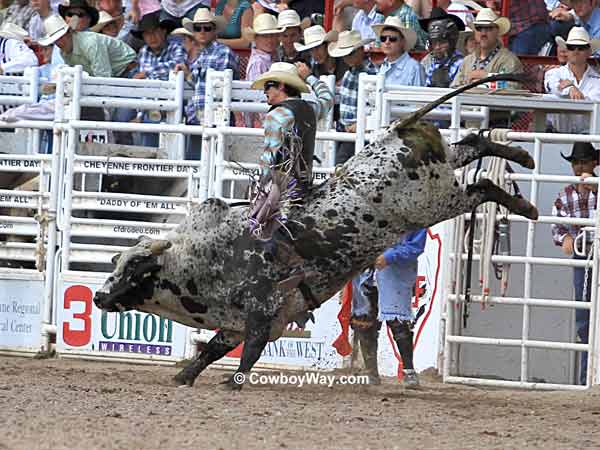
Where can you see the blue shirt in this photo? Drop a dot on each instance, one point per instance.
(157, 67)
(363, 22)
(592, 26)
(404, 71)
(349, 91)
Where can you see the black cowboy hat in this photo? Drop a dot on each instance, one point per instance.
(151, 21)
(582, 151)
(83, 4)
(439, 14)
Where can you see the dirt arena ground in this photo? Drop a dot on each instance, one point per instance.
(66, 404)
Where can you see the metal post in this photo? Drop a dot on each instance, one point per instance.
(207, 122)
(220, 154)
(361, 113)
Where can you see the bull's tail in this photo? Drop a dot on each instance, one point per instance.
(416, 116)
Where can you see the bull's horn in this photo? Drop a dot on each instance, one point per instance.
(159, 246)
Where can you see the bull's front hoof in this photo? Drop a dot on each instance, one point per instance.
(235, 382)
(182, 379)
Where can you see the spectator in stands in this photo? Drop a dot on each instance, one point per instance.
(189, 44)
(553, 121)
(287, 158)
(289, 21)
(588, 16)
(87, 16)
(321, 63)
(396, 41)
(212, 55)
(173, 11)
(100, 55)
(561, 18)
(15, 56)
(576, 80)
(107, 25)
(238, 15)
(529, 26)
(160, 55)
(578, 201)
(265, 35)
(36, 24)
(19, 13)
(366, 16)
(491, 57)
(406, 15)
(350, 46)
(444, 60)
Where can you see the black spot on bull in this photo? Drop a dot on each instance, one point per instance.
(312, 244)
(191, 287)
(193, 306)
(166, 284)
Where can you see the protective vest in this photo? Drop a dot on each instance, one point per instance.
(302, 140)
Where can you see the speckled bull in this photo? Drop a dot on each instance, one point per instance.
(211, 274)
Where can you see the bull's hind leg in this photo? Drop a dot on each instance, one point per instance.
(221, 344)
(474, 146)
(486, 191)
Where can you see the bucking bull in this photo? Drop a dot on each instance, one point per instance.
(210, 273)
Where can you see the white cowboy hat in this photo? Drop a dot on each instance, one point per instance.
(12, 31)
(288, 18)
(55, 28)
(410, 36)
(487, 17)
(578, 36)
(203, 15)
(262, 24)
(182, 32)
(105, 19)
(315, 36)
(283, 72)
(267, 4)
(347, 42)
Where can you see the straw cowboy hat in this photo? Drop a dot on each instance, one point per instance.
(80, 4)
(12, 31)
(55, 27)
(315, 36)
(582, 151)
(204, 15)
(410, 35)
(487, 17)
(578, 36)
(263, 24)
(289, 18)
(283, 72)
(347, 42)
(104, 19)
(182, 32)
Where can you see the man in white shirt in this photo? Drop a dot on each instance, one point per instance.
(366, 16)
(576, 80)
(15, 56)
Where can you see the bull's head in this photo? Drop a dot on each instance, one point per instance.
(132, 281)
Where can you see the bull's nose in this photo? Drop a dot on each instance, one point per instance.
(100, 299)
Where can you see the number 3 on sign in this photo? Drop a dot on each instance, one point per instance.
(78, 331)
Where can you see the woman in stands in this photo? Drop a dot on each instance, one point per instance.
(238, 14)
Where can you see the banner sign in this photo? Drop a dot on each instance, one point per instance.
(83, 328)
(21, 314)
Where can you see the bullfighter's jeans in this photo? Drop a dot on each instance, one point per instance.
(582, 316)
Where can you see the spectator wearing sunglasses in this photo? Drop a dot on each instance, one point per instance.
(491, 57)
(84, 15)
(211, 55)
(396, 41)
(576, 80)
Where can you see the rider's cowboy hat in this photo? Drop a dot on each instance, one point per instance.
(487, 17)
(55, 27)
(315, 36)
(347, 42)
(80, 4)
(10, 30)
(578, 36)
(410, 35)
(105, 19)
(204, 15)
(263, 24)
(283, 72)
(582, 151)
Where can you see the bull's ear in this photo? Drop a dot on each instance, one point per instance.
(159, 246)
(115, 259)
